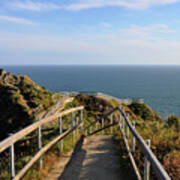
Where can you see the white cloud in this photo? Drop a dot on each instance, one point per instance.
(128, 45)
(106, 25)
(130, 4)
(16, 20)
(146, 30)
(88, 4)
(33, 6)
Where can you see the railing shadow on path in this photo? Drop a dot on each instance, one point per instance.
(68, 172)
(100, 161)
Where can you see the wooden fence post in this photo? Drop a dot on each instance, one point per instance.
(74, 133)
(127, 128)
(90, 129)
(111, 123)
(147, 164)
(40, 144)
(82, 120)
(60, 132)
(76, 123)
(133, 139)
(102, 125)
(122, 123)
(120, 120)
(96, 125)
(12, 161)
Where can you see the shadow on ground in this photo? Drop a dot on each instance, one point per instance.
(76, 160)
(96, 159)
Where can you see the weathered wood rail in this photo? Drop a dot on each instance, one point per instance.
(9, 142)
(126, 126)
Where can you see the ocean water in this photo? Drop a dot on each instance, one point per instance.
(159, 86)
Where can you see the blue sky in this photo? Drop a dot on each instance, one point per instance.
(89, 32)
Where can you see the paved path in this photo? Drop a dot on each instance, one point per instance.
(97, 159)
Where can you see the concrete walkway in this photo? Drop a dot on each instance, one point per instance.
(97, 159)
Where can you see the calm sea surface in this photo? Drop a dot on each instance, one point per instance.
(159, 86)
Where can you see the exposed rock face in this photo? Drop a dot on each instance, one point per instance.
(2, 73)
(9, 78)
(20, 97)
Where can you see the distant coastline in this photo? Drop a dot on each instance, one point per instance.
(157, 85)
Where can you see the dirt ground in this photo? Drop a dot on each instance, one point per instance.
(95, 159)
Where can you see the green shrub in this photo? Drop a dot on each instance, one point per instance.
(143, 111)
(173, 120)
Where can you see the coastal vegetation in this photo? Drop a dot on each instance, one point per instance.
(164, 137)
(21, 100)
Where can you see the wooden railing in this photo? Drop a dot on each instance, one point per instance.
(126, 126)
(9, 142)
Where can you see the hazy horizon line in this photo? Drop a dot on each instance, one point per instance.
(89, 65)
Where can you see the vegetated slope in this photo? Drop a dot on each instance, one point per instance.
(20, 99)
(95, 107)
(164, 135)
(144, 112)
(94, 104)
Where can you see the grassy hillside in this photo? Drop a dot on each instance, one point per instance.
(164, 136)
(20, 100)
